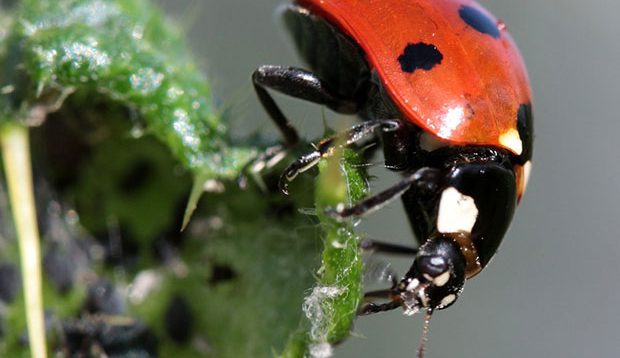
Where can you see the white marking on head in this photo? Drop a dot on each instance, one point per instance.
(527, 170)
(442, 279)
(457, 212)
(413, 284)
(511, 140)
(448, 300)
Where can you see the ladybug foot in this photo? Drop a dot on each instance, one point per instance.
(328, 146)
(264, 160)
(368, 308)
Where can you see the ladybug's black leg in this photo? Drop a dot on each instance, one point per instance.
(297, 83)
(293, 82)
(326, 148)
(370, 307)
(386, 248)
(397, 148)
(422, 181)
(263, 160)
(380, 294)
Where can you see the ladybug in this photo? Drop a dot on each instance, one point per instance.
(441, 85)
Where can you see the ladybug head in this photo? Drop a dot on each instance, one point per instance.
(436, 277)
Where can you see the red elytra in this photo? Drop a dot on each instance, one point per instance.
(471, 97)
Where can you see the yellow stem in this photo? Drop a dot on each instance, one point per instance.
(17, 166)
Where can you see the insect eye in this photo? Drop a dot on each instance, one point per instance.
(432, 265)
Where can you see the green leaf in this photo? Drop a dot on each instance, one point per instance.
(125, 51)
(121, 74)
(332, 304)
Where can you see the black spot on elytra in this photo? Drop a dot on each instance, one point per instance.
(419, 56)
(479, 21)
(525, 126)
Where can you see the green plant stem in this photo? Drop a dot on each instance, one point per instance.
(16, 158)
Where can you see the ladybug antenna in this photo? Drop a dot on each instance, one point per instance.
(425, 330)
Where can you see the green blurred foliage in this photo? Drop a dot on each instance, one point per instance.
(123, 131)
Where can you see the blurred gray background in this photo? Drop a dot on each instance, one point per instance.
(553, 290)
